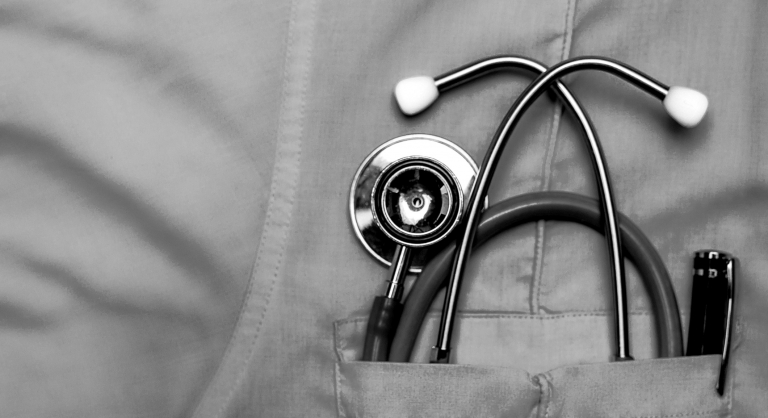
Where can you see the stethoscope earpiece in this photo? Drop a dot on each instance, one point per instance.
(686, 105)
(415, 94)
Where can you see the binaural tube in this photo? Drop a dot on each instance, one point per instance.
(480, 188)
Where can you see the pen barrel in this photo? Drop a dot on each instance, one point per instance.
(709, 303)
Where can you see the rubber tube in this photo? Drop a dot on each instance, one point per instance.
(561, 206)
(382, 323)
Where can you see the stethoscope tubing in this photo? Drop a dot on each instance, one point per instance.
(487, 169)
(557, 206)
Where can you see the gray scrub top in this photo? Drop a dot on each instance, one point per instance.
(174, 234)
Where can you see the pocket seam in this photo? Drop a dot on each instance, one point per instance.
(337, 382)
(546, 396)
(687, 414)
(531, 381)
(337, 335)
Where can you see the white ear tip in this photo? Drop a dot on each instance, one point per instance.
(415, 94)
(686, 106)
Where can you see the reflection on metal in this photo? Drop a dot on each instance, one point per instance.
(423, 175)
(413, 202)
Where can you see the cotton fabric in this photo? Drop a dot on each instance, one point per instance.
(175, 231)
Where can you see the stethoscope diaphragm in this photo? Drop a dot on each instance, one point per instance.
(410, 191)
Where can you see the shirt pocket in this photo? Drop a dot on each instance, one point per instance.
(655, 388)
(371, 389)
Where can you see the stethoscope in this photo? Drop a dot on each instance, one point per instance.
(413, 192)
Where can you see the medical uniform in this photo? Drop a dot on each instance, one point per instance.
(175, 236)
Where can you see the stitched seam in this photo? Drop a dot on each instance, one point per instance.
(336, 339)
(537, 381)
(254, 267)
(337, 376)
(545, 394)
(637, 312)
(351, 320)
(538, 267)
(548, 378)
(539, 317)
(682, 414)
(277, 187)
(291, 198)
(480, 315)
(272, 199)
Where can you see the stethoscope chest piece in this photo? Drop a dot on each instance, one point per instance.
(411, 190)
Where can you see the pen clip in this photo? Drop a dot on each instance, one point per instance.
(730, 271)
